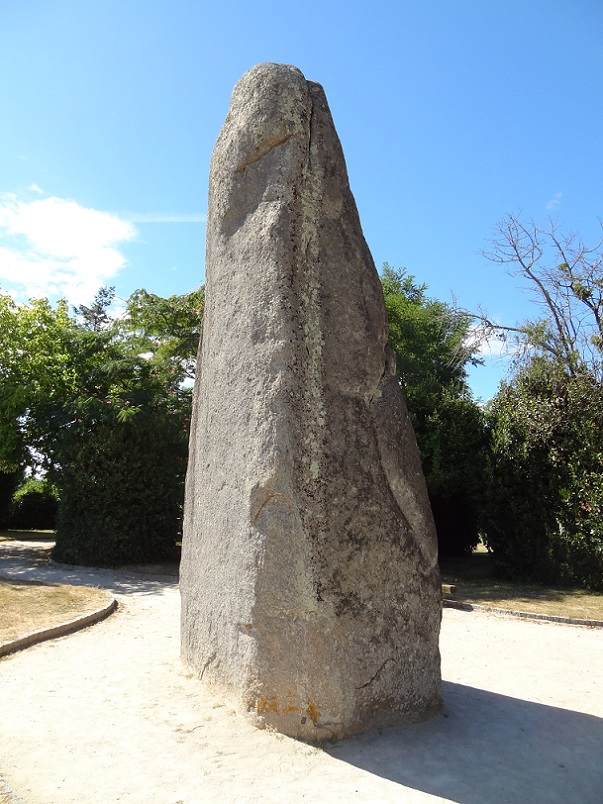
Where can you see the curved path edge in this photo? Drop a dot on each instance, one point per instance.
(525, 615)
(58, 630)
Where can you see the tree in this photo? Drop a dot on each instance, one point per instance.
(566, 278)
(97, 317)
(430, 338)
(432, 346)
(544, 514)
(167, 330)
(109, 424)
(34, 506)
(34, 372)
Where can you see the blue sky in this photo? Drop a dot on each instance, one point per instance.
(451, 114)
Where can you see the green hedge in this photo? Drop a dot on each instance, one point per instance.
(34, 506)
(122, 490)
(9, 483)
(543, 511)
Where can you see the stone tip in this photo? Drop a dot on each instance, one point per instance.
(273, 67)
(269, 72)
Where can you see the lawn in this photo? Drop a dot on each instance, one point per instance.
(28, 606)
(475, 583)
(27, 535)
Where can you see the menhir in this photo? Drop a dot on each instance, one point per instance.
(310, 589)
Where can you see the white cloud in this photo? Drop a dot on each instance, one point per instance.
(36, 189)
(55, 247)
(165, 217)
(496, 348)
(491, 345)
(554, 202)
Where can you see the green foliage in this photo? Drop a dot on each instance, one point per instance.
(430, 340)
(544, 517)
(544, 504)
(121, 490)
(9, 483)
(167, 330)
(97, 316)
(454, 443)
(34, 370)
(34, 506)
(428, 336)
(100, 405)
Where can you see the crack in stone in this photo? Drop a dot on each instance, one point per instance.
(207, 664)
(310, 122)
(389, 369)
(266, 501)
(266, 148)
(370, 681)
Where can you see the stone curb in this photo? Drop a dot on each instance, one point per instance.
(58, 630)
(524, 615)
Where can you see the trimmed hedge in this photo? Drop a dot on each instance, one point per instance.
(34, 506)
(543, 511)
(122, 491)
(9, 482)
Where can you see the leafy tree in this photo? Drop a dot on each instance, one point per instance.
(121, 487)
(432, 346)
(544, 510)
(34, 506)
(544, 501)
(430, 338)
(109, 424)
(167, 330)
(97, 316)
(34, 372)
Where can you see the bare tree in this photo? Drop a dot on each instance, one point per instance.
(567, 280)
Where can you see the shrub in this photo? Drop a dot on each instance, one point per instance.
(433, 348)
(453, 442)
(543, 511)
(9, 483)
(34, 506)
(122, 491)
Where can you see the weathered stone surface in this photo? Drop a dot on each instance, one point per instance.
(309, 581)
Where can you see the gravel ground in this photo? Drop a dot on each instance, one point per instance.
(109, 715)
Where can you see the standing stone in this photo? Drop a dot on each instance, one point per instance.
(309, 580)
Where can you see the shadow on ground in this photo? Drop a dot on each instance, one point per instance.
(487, 747)
(31, 561)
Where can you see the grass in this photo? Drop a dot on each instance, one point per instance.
(475, 583)
(30, 606)
(27, 535)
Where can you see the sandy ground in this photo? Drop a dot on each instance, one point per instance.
(108, 715)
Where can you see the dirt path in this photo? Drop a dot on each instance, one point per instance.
(108, 715)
